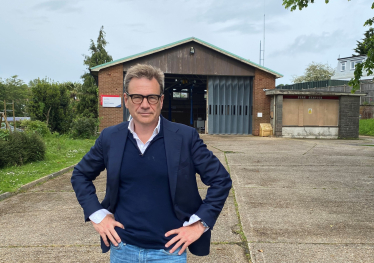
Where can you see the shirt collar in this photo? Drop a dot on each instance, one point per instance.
(131, 127)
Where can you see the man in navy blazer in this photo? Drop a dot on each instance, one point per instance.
(163, 188)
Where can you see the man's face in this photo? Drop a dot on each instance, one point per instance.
(144, 113)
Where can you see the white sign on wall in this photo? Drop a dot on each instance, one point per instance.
(111, 101)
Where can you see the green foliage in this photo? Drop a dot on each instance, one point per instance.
(20, 148)
(61, 153)
(362, 47)
(88, 98)
(298, 4)
(38, 127)
(367, 127)
(14, 89)
(4, 133)
(84, 128)
(51, 103)
(88, 95)
(98, 53)
(315, 72)
(368, 65)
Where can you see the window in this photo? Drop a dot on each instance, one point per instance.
(342, 66)
(353, 64)
(180, 95)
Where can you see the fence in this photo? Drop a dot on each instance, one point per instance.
(314, 84)
(366, 86)
(367, 112)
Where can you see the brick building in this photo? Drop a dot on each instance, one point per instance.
(205, 87)
(314, 113)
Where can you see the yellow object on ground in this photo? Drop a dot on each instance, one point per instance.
(266, 130)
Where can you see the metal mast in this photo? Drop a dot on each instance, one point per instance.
(262, 51)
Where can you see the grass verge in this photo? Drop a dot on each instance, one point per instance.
(240, 231)
(367, 127)
(61, 153)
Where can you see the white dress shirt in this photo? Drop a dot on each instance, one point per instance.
(99, 215)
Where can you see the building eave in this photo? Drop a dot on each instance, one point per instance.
(174, 44)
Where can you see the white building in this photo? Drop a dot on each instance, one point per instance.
(346, 67)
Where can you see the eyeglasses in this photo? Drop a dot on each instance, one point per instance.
(138, 98)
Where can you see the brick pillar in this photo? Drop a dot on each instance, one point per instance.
(111, 83)
(278, 115)
(261, 102)
(349, 111)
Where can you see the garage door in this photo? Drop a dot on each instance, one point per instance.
(229, 105)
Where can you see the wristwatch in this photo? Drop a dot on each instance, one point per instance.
(204, 224)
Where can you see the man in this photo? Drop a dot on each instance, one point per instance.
(152, 209)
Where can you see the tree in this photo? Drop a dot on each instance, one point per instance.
(367, 65)
(14, 89)
(50, 103)
(362, 48)
(315, 72)
(88, 95)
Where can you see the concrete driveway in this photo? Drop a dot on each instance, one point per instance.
(292, 201)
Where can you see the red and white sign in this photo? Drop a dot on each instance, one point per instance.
(110, 101)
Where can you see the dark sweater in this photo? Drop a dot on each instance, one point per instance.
(144, 201)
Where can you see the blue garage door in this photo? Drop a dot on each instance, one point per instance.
(229, 105)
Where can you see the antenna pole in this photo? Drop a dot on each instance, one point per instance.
(263, 48)
(260, 54)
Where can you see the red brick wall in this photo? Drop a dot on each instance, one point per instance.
(110, 83)
(261, 102)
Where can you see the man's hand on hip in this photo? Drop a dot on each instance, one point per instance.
(106, 230)
(185, 235)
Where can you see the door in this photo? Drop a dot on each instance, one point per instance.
(229, 105)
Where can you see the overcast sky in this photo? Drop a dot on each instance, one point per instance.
(48, 38)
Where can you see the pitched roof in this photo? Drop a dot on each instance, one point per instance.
(174, 44)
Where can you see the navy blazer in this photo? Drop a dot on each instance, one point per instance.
(186, 155)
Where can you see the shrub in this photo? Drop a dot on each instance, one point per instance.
(20, 148)
(38, 127)
(367, 127)
(84, 128)
(4, 134)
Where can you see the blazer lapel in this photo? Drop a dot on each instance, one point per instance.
(173, 145)
(115, 156)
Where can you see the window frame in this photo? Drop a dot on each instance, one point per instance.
(353, 64)
(342, 65)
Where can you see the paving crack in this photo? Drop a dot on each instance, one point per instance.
(243, 243)
(310, 149)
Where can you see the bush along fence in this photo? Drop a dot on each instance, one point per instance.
(18, 148)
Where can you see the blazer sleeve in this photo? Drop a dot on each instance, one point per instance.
(84, 173)
(214, 174)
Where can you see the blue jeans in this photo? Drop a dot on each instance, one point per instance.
(125, 253)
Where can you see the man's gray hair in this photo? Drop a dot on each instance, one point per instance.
(144, 71)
